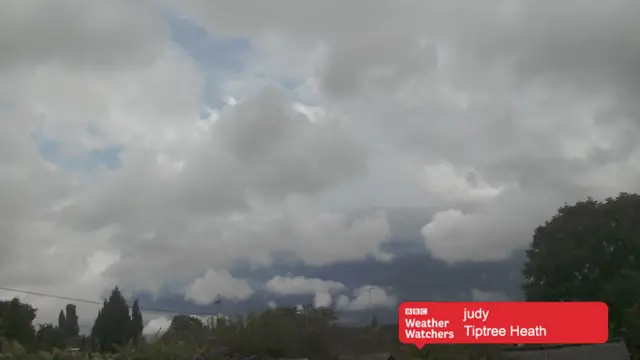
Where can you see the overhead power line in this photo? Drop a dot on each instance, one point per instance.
(95, 302)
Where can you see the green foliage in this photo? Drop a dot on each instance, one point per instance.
(281, 332)
(49, 337)
(62, 321)
(185, 324)
(71, 328)
(17, 318)
(137, 324)
(273, 333)
(591, 251)
(112, 327)
(185, 329)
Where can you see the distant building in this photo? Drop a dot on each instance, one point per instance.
(616, 350)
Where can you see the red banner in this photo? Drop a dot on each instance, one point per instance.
(422, 323)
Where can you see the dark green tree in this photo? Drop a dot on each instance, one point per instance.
(72, 328)
(98, 333)
(62, 321)
(112, 325)
(280, 332)
(591, 251)
(17, 318)
(137, 324)
(184, 323)
(184, 328)
(49, 337)
(374, 322)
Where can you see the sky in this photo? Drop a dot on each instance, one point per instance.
(354, 154)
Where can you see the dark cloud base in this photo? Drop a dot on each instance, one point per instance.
(413, 276)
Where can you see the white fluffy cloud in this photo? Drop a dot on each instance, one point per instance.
(479, 295)
(301, 285)
(214, 284)
(332, 293)
(455, 185)
(323, 290)
(322, 300)
(474, 107)
(367, 297)
(157, 325)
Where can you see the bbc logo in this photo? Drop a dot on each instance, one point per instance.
(416, 311)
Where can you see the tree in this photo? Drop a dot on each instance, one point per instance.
(280, 332)
(136, 325)
(17, 318)
(590, 251)
(98, 331)
(185, 328)
(184, 323)
(374, 322)
(72, 329)
(62, 321)
(112, 325)
(49, 337)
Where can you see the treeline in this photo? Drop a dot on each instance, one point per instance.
(276, 333)
(295, 333)
(116, 325)
(272, 333)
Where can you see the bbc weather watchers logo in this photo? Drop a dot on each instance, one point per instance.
(416, 311)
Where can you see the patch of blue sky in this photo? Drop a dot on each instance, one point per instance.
(214, 93)
(212, 53)
(291, 84)
(88, 162)
(52, 150)
(220, 58)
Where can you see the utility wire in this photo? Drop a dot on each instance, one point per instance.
(95, 302)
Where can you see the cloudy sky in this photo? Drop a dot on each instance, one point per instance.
(355, 153)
